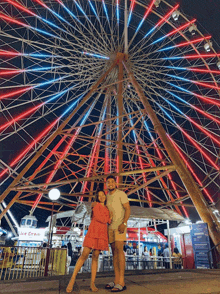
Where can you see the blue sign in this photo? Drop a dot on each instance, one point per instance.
(201, 245)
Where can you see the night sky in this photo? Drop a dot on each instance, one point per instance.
(207, 13)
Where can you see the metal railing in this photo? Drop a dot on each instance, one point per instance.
(23, 262)
(132, 263)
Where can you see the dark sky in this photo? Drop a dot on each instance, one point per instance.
(207, 13)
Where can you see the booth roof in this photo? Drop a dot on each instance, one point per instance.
(140, 215)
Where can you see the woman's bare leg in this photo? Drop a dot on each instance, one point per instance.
(95, 258)
(78, 266)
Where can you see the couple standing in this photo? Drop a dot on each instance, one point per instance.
(116, 212)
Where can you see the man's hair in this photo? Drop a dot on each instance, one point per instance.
(176, 250)
(111, 177)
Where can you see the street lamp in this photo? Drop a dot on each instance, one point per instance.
(54, 195)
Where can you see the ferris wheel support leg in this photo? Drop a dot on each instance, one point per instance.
(120, 121)
(53, 136)
(187, 179)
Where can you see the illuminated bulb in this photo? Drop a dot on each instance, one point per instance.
(157, 3)
(54, 194)
(175, 15)
(192, 29)
(218, 64)
(207, 46)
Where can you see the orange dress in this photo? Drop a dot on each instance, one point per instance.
(97, 235)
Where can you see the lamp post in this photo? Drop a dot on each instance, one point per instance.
(54, 195)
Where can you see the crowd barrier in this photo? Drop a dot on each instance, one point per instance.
(131, 263)
(23, 262)
(20, 262)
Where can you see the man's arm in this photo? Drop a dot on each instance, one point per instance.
(127, 209)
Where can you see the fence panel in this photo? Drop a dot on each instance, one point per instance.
(26, 262)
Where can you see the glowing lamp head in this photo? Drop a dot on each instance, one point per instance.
(192, 29)
(218, 64)
(54, 194)
(157, 3)
(207, 46)
(175, 15)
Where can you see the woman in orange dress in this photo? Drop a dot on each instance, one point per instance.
(96, 239)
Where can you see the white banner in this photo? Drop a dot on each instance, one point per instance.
(26, 234)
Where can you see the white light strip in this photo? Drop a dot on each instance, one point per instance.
(11, 215)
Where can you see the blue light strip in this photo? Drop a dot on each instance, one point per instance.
(158, 40)
(117, 11)
(167, 48)
(105, 9)
(80, 8)
(71, 13)
(140, 24)
(151, 31)
(173, 58)
(71, 106)
(180, 88)
(95, 55)
(50, 82)
(93, 9)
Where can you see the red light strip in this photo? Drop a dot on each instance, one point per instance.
(201, 56)
(181, 28)
(167, 15)
(11, 94)
(21, 7)
(20, 116)
(190, 168)
(207, 114)
(204, 130)
(10, 19)
(192, 42)
(29, 147)
(203, 70)
(149, 9)
(199, 148)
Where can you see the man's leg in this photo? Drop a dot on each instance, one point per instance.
(115, 263)
(121, 261)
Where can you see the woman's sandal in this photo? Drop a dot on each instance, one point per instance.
(110, 285)
(118, 288)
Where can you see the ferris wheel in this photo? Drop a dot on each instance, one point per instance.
(89, 88)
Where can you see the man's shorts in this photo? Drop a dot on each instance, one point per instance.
(114, 235)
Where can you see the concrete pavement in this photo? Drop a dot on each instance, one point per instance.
(137, 282)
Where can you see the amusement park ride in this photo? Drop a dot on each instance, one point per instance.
(95, 87)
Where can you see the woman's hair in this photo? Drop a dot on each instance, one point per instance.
(145, 247)
(97, 196)
(176, 250)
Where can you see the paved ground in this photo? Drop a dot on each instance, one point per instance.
(144, 282)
